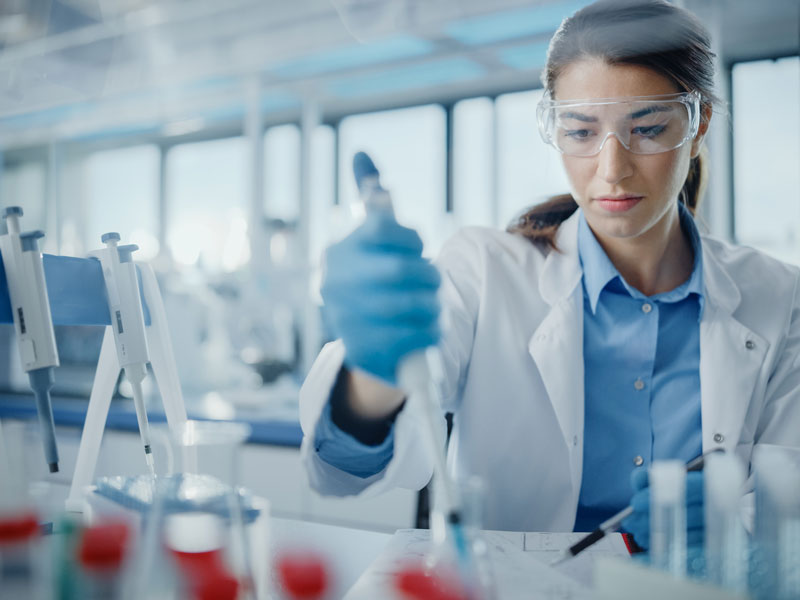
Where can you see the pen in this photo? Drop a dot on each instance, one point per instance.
(611, 524)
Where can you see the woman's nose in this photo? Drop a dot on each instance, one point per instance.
(614, 160)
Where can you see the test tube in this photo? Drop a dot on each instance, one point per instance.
(726, 539)
(775, 572)
(668, 516)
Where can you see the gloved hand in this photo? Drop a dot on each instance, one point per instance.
(380, 295)
(638, 523)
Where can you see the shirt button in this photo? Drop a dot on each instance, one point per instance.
(719, 438)
(647, 307)
(638, 384)
(638, 461)
(749, 344)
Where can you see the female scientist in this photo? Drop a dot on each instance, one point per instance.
(600, 333)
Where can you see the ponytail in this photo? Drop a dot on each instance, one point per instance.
(696, 182)
(540, 223)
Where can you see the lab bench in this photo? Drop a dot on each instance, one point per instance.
(269, 463)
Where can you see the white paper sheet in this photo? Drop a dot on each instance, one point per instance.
(520, 562)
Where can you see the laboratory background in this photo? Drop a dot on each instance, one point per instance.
(218, 137)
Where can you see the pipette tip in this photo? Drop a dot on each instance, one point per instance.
(53, 467)
(148, 457)
(562, 557)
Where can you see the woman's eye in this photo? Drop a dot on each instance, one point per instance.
(649, 131)
(578, 134)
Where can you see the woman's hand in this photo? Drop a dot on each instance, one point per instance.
(638, 524)
(380, 296)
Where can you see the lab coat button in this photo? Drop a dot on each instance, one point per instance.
(749, 344)
(719, 438)
(638, 461)
(647, 307)
(638, 384)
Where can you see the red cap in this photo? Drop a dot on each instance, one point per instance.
(216, 585)
(18, 527)
(194, 564)
(103, 546)
(303, 575)
(415, 583)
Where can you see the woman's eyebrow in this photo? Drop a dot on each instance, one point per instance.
(578, 117)
(650, 109)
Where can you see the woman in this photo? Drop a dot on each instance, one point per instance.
(600, 333)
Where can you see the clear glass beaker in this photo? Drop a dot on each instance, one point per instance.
(194, 536)
(774, 571)
(459, 548)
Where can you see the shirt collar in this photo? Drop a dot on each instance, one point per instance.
(599, 272)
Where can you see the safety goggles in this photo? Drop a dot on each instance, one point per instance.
(642, 124)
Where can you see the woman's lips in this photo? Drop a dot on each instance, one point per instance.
(618, 204)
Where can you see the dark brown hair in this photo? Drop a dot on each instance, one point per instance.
(651, 33)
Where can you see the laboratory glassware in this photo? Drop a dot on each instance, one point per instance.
(774, 571)
(194, 536)
(726, 543)
(668, 516)
(102, 551)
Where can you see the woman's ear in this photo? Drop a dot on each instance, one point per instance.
(705, 119)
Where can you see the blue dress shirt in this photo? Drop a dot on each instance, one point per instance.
(642, 382)
(641, 376)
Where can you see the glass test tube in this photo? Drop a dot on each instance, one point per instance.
(668, 516)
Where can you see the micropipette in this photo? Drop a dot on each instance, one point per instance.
(127, 323)
(30, 308)
(415, 375)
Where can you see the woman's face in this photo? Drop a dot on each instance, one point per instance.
(622, 194)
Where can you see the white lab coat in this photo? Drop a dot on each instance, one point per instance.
(513, 353)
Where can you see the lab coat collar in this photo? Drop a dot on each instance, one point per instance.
(561, 272)
(720, 288)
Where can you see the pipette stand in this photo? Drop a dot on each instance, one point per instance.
(162, 361)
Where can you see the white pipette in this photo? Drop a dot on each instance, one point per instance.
(30, 309)
(416, 375)
(127, 323)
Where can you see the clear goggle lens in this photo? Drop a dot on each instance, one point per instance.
(644, 125)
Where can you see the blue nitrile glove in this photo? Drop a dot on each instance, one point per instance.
(380, 295)
(638, 523)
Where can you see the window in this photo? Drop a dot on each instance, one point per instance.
(121, 194)
(409, 149)
(323, 182)
(207, 204)
(473, 152)
(23, 184)
(766, 155)
(282, 172)
(528, 170)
